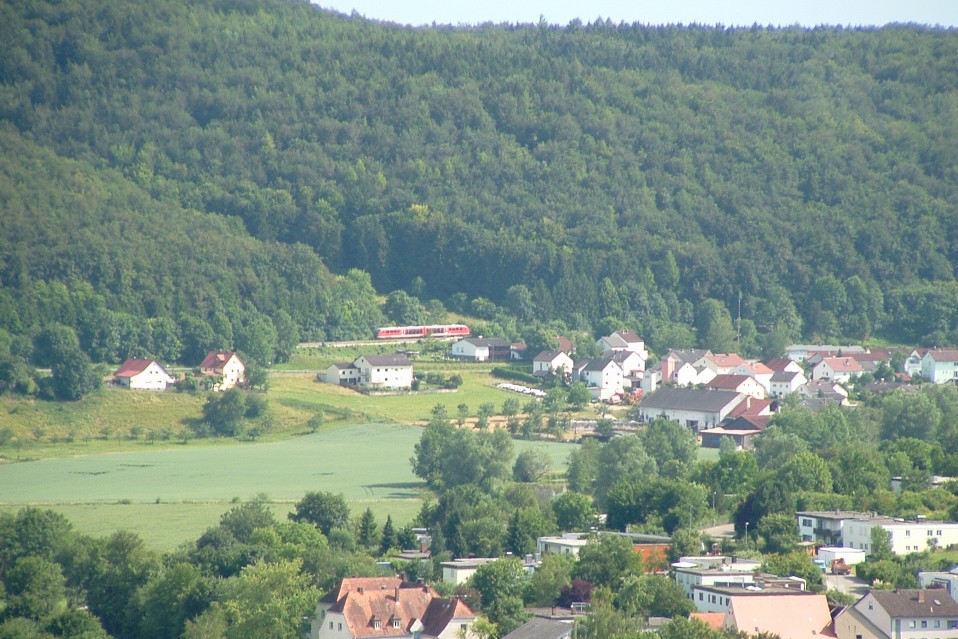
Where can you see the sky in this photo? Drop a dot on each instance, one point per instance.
(726, 12)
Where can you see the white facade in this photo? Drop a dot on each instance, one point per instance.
(458, 571)
(604, 379)
(384, 371)
(906, 536)
(920, 623)
(837, 369)
(152, 377)
(940, 366)
(560, 545)
(688, 578)
(555, 361)
(785, 383)
(464, 349)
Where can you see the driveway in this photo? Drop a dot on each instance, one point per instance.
(847, 583)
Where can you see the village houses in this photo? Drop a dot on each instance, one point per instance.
(226, 365)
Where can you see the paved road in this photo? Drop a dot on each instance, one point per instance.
(846, 583)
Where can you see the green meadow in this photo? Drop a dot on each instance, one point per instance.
(170, 495)
(126, 460)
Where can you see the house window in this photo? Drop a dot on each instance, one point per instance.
(908, 533)
(930, 533)
(330, 625)
(339, 626)
(395, 622)
(377, 623)
(924, 623)
(911, 624)
(807, 523)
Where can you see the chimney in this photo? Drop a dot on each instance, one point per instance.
(921, 596)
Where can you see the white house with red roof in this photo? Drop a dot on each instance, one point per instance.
(779, 364)
(757, 371)
(360, 607)
(227, 365)
(738, 383)
(837, 369)
(143, 374)
(940, 365)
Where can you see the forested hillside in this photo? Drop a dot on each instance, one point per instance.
(215, 162)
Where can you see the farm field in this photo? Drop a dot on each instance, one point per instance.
(171, 495)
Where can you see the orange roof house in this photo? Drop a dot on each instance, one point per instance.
(226, 364)
(389, 607)
(801, 616)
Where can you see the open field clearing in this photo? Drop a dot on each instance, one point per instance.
(170, 495)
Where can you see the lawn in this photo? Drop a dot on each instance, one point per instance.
(171, 494)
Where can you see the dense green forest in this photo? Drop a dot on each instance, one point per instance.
(176, 177)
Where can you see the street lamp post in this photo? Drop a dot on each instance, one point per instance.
(746, 535)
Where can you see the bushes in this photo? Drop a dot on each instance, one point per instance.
(519, 376)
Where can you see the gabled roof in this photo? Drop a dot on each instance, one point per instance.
(386, 360)
(757, 368)
(621, 356)
(943, 354)
(798, 616)
(842, 364)
(629, 337)
(489, 342)
(134, 366)
(690, 399)
(689, 355)
(345, 367)
(728, 382)
(596, 365)
(365, 600)
(440, 612)
(566, 345)
(218, 359)
(751, 407)
(916, 603)
(726, 360)
(779, 363)
(755, 423)
(784, 376)
(548, 356)
(713, 620)
(542, 628)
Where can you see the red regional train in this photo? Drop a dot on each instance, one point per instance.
(436, 330)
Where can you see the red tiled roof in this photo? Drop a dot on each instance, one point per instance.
(724, 360)
(779, 364)
(132, 367)
(364, 601)
(758, 368)
(751, 407)
(843, 364)
(714, 620)
(217, 359)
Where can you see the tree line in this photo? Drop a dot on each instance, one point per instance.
(246, 174)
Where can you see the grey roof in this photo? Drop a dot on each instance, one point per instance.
(547, 356)
(905, 603)
(496, 342)
(784, 376)
(388, 360)
(541, 628)
(690, 399)
(689, 355)
(595, 364)
(344, 367)
(619, 356)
